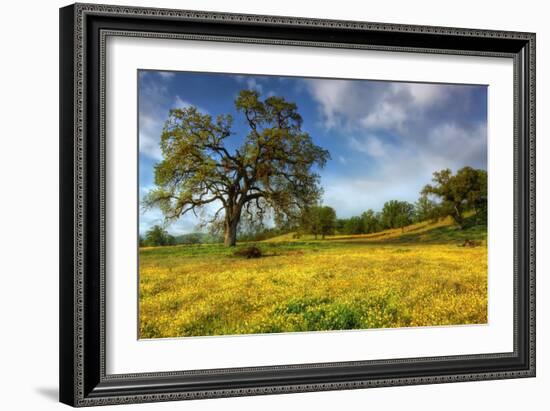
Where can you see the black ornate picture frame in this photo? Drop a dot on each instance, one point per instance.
(84, 29)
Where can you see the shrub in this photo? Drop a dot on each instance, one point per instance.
(471, 243)
(249, 252)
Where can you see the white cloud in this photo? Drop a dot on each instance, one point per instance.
(423, 94)
(370, 145)
(166, 75)
(366, 192)
(149, 145)
(333, 98)
(251, 83)
(342, 160)
(387, 116)
(148, 219)
(431, 120)
(187, 223)
(400, 174)
(155, 102)
(184, 225)
(179, 103)
(401, 171)
(469, 146)
(372, 104)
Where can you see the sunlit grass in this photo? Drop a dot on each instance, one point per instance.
(307, 285)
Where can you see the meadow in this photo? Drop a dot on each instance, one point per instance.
(420, 276)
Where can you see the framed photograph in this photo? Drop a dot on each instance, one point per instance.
(261, 204)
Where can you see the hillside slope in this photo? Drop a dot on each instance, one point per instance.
(442, 231)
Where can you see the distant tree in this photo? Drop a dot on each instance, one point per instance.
(397, 214)
(406, 216)
(199, 238)
(319, 220)
(425, 209)
(158, 236)
(271, 170)
(477, 197)
(328, 221)
(466, 190)
(250, 228)
(371, 221)
(354, 225)
(340, 224)
(191, 238)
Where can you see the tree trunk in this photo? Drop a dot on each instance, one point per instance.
(231, 224)
(458, 218)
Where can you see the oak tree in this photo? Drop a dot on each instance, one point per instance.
(271, 171)
(464, 191)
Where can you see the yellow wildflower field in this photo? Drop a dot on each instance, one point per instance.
(308, 285)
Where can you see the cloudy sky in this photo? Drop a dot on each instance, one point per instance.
(385, 138)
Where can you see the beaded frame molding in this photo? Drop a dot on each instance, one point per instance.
(84, 29)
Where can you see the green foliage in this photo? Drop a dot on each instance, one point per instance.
(368, 222)
(340, 224)
(198, 238)
(397, 214)
(192, 238)
(371, 221)
(354, 225)
(319, 220)
(262, 234)
(426, 209)
(157, 236)
(271, 170)
(467, 190)
(314, 313)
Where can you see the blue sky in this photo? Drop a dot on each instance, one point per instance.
(385, 138)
